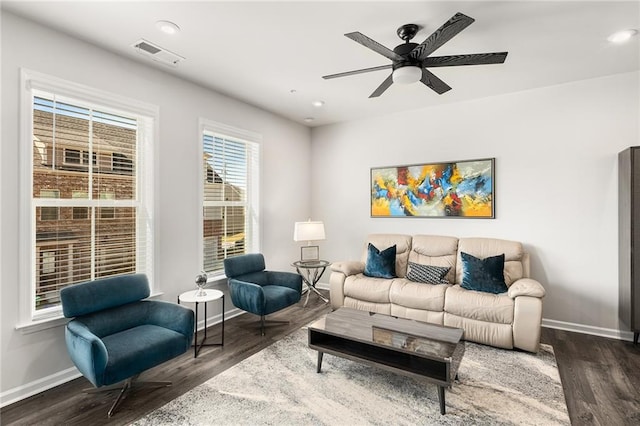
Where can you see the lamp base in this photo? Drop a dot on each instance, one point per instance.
(309, 253)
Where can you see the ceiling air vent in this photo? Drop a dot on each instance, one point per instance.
(157, 53)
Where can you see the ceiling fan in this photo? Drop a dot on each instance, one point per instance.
(409, 61)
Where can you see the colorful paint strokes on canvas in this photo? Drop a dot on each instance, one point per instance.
(455, 189)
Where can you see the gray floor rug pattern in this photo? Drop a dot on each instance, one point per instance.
(280, 386)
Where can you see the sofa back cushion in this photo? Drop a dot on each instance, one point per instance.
(384, 241)
(514, 267)
(435, 250)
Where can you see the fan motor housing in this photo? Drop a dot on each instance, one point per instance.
(403, 50)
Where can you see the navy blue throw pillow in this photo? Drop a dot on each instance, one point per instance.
(483, 274)
(380, 264)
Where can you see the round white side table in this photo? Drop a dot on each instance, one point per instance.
(206, 295)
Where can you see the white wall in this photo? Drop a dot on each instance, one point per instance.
(556, 182)
(27, 358)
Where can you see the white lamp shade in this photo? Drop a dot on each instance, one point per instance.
(407, 75)
(308, 231)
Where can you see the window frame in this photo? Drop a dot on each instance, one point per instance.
(32, 82)
(253, 218)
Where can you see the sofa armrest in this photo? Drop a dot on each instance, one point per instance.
(350, 267)
(87, 351)
(174, 317)
(526, 287)
(247, 296)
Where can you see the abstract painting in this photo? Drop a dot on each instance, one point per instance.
(453, 189)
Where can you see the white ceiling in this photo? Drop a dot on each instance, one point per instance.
(259, 51)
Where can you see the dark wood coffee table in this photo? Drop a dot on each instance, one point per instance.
(412, 348)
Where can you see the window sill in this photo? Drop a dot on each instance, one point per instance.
(216, 279)
(52, 322)
(42, 324)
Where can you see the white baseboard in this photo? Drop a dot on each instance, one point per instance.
(323, 286)
(588, 329)
(25, 391)
(215, 319)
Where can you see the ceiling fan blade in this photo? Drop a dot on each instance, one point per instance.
(433, 82)
(470, 59)
(442, 35)
(345, 74)
(384, 86)
(374, 45)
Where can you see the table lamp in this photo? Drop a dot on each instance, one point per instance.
(309, 231)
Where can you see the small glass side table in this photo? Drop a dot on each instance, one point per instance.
(311, 271)
(207, 295)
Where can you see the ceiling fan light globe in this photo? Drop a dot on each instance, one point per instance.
(407, 75)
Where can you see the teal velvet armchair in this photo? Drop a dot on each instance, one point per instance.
(115, 335)
(258, 291)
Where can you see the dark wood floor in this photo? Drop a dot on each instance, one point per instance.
(601, 377)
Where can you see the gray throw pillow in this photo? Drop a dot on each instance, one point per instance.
(428, 274)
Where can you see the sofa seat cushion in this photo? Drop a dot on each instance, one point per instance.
(379, 308)
(278, 297)
(410, 294)
(498, 335)
(367, 289)
(495, 308)
(138, 349)
(417, 314)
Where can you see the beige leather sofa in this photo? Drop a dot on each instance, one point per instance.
(506, 320)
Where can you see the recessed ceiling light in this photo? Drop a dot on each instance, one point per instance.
(622, 36)
(317, 104)
(308, 119)
(167, 27)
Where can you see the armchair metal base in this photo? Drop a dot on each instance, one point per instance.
(263, 322)
(129, 384)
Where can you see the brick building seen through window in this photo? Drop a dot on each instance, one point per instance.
(77, 238)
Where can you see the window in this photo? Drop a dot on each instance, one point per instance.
(231, 211)
(66, 126)
(107, 213)
(48, 262)
(74, 156)
(80, 213)
(49, 213)
(120, 163)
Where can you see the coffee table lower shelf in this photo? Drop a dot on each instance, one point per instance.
(441, 372)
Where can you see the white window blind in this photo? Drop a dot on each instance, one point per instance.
(230, 197)
(90, 215)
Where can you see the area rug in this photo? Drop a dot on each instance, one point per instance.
(280, 386)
